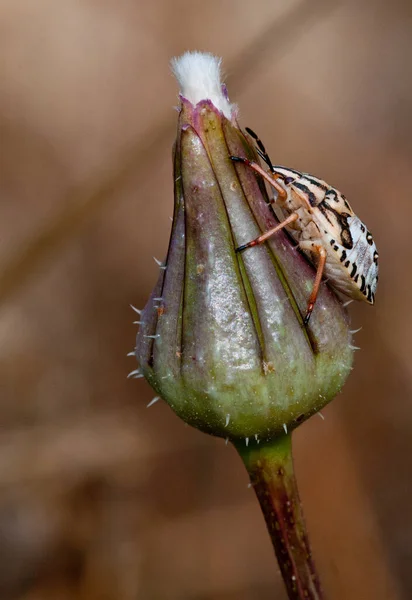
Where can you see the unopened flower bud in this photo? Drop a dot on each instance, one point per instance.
(222, 338)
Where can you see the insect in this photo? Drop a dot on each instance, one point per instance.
(321, 221)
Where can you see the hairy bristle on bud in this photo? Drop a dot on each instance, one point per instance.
(199, 77)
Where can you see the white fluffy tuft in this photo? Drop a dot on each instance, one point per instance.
(198, 74)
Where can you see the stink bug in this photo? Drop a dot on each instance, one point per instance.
(321, 221)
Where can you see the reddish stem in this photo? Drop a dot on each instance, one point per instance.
(270, 468)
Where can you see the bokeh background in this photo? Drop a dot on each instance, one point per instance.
(100, 497)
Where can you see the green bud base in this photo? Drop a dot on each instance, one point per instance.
(270, 468)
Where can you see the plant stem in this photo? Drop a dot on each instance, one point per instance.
(270, 468)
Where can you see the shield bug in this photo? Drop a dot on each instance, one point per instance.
(321, 221)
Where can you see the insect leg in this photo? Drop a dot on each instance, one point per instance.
(307, 245)
(262, 238)
(282, 193)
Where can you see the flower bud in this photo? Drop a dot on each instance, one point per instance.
(222, 338)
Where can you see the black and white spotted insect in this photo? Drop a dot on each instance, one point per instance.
(321, 221)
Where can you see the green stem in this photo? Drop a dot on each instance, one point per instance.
(270, 468)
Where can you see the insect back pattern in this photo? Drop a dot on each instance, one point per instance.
(321, 221)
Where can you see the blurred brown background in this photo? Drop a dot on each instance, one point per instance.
(100, 498)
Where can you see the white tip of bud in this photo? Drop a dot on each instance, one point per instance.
(199, 77)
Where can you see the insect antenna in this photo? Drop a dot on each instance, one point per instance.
(261, 150)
